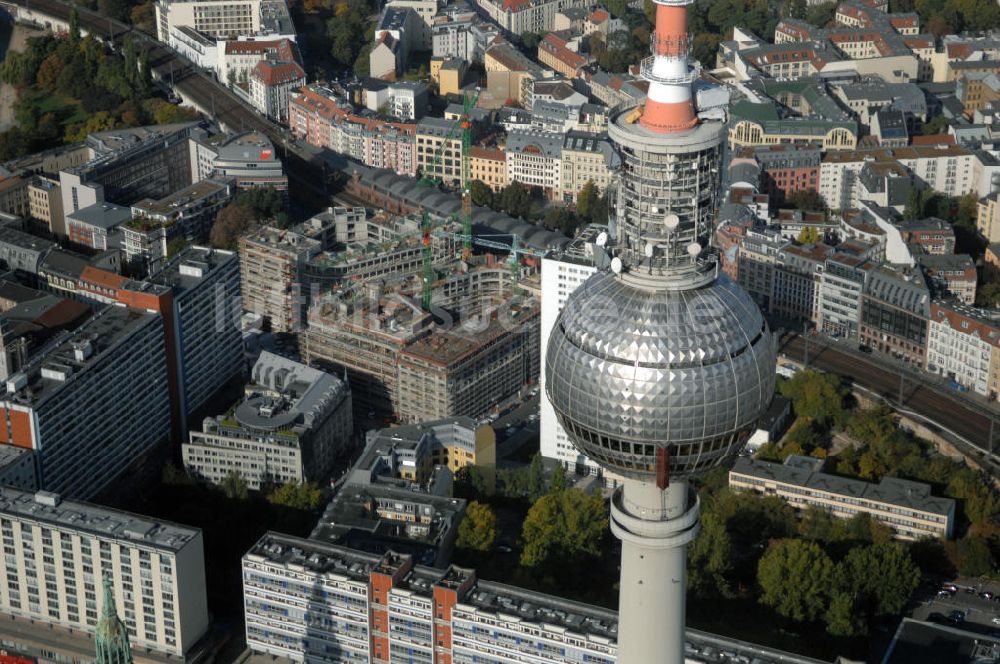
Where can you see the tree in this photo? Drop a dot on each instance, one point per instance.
(472, 483)
(143, 15)
(821, 396)
(481, 194)
(794, 576)
(843, 617)
(232, 222)
(808, 235)
(617, 8)
(587, 200)
(805, 199)
(558, 481)
(536, 478)
(306, 497)
(48, 72)
(705, 47)
(478, 529)
(881, 576)
(710, 558)
(821, 15)
(936, 125)
(234, 486)
(530, 40)
(74, 27)
(988, 295)
(974, 556)
(562, 528)
(515, 199)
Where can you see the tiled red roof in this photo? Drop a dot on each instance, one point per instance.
(556, 47)
(282, 48)
(103, 278)
(276, 73)
(598, 16)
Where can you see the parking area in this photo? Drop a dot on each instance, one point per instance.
(967, 603)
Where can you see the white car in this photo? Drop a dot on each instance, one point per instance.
(996, 620)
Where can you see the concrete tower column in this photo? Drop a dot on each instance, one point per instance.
(655, 528)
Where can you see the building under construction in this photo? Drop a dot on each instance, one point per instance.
(477, 346)
(281, 269)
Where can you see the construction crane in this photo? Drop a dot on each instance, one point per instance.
(429, 178)
(514, 248)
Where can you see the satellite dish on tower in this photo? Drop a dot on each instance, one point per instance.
(616, 265)
(602, 239)
(672, 221)
(693, 250)
(648, 250)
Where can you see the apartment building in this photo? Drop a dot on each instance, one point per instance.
(45, 203)
(412, 452)
(289, 428)
(318, 117)
(787, 168)
(439, 150)
(58, 551)
(14, 196)
(585, 158)
(271, 264)
(188, 213)
(534, 158)
(238, 57)
(905, 506)
(951, 274)
(988, 217)
(201, 319)
(843, 280)
(758, 256)
(271, 82)
(515, 17)
(225, 19)
(510, 74)
(452, 36)
(489, 166)
(386, 608)
(556, 53)
(796, 282)
(97, 226)
(944, 168)
(895, 307)
(963, 345)
(92, 402)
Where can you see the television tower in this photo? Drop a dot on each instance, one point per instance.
(659, 368)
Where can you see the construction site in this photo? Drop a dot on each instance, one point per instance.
(428, 316)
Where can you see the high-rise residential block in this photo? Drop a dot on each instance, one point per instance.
(58, 551)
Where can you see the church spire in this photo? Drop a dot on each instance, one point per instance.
(112, 637)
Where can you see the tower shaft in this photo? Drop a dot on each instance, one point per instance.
(654, 527)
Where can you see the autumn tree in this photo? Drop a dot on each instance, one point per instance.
(820, 396)
(563, 527)
(478, 529)
(232, 222)
(808, 235)
(305, 496)
(234, 485)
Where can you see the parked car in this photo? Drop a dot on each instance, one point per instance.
(986, 595)
(944, 593)
(957, 616)
(950, 587)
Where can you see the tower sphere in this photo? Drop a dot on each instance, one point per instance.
(634, 367)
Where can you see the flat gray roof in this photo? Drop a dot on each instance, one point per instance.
(891, 490)
(48, 508)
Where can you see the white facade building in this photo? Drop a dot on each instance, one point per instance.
(964, 346)
(56, 553)
(271, 83)
(561, 275)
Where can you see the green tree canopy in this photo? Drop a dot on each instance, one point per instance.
(710, 559)
(478, 529)
(481, 194)
(306, 496)
(563, 527)
(515, 199)
(795, 577)
(821, 396)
